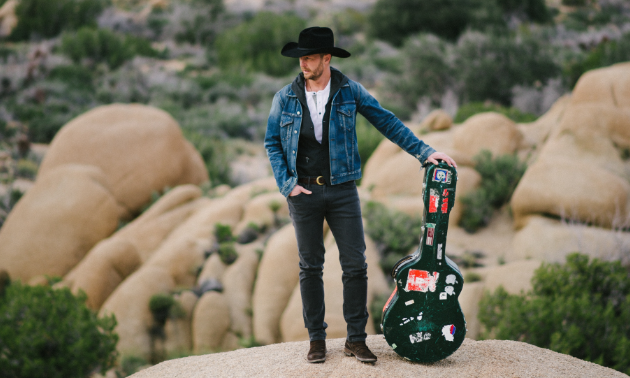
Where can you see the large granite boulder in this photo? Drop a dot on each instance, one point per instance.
(140, 149)
(58, 221)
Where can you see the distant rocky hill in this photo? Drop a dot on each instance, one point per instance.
(491, 358)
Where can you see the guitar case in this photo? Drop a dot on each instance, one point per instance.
(422, 320)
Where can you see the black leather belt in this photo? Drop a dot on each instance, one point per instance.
(319, 180)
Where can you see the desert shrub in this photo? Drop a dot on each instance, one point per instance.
(102, 45)
(227, 252)
(198, 29)
(580, 308)
(472, 277)
(223, 233)
(75, 76)
(427, 71)
(47, 332)
(499, 177)
(604, 54)
(467, 110)
(26, 168)
(489, 66)
(46, 19)
(215, 156)
(255, 45)
(395, 233)
(394, 20)
(160, 306)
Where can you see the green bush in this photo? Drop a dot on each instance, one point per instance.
(467, 110)
(223, 233)
(215, 156)
(75, 76)
(427, 71)
(26, 168)
(499, 177)
(255, 45)
(160, 306)
(489, 66)
(49, 333)
(227, 252)
(102, 45)
(604, 54)
(394, 20)
(46, 18)
(395, 233)
(580, 308)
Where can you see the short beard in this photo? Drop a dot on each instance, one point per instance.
(319, 71)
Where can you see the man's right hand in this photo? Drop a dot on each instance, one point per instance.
(297, 190)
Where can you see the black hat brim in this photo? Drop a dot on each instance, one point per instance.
(292, 50)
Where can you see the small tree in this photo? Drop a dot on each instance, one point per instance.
(51, 333)
(580, 308)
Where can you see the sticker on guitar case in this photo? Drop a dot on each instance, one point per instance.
(419, 337)
(444, 207)
(449, 332)
(421, 280)
(439, 252)
(443, 296)
(450, 279)
(442, 175)
(434, 199)
(430, 233)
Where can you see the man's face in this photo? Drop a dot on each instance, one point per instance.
(312, 66)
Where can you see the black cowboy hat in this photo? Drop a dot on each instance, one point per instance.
(314, 40)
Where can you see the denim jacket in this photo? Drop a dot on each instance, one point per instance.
(285, 121)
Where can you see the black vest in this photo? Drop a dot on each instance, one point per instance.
(313, 158)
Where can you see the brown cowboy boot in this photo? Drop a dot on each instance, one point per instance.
(360, 351)
(317, 353)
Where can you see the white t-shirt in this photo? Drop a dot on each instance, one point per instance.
(316, 102)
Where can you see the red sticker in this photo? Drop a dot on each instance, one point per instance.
(444, 205)
(434, 199)
(421, 280)
(390, 298)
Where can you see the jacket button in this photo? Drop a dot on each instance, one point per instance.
(293, 151)
(298, 113)
(295, 131)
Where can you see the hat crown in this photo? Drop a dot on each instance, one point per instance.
(316, 37)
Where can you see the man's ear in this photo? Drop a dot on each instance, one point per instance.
(327, 58)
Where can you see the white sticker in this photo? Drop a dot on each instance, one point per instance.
(415, 337)
(427, 336)
(439, 252)
(450, 290)
(449, 332)
(443, 296)
(394, 346)
(450, 279)
(410, 302)
(420, 316)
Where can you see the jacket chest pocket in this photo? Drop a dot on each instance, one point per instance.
(345, 114)
(285, 126)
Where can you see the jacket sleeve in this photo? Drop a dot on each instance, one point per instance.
(389, 125)
(273, 145)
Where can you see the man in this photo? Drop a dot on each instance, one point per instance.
(312, 145)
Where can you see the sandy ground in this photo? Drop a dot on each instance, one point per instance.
(491, 358)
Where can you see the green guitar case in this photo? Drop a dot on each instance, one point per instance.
(422, 320)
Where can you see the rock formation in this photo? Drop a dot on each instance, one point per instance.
(491, 358)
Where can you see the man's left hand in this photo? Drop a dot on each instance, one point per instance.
(434, 157)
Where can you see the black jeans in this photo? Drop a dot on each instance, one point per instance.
(340, 206)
